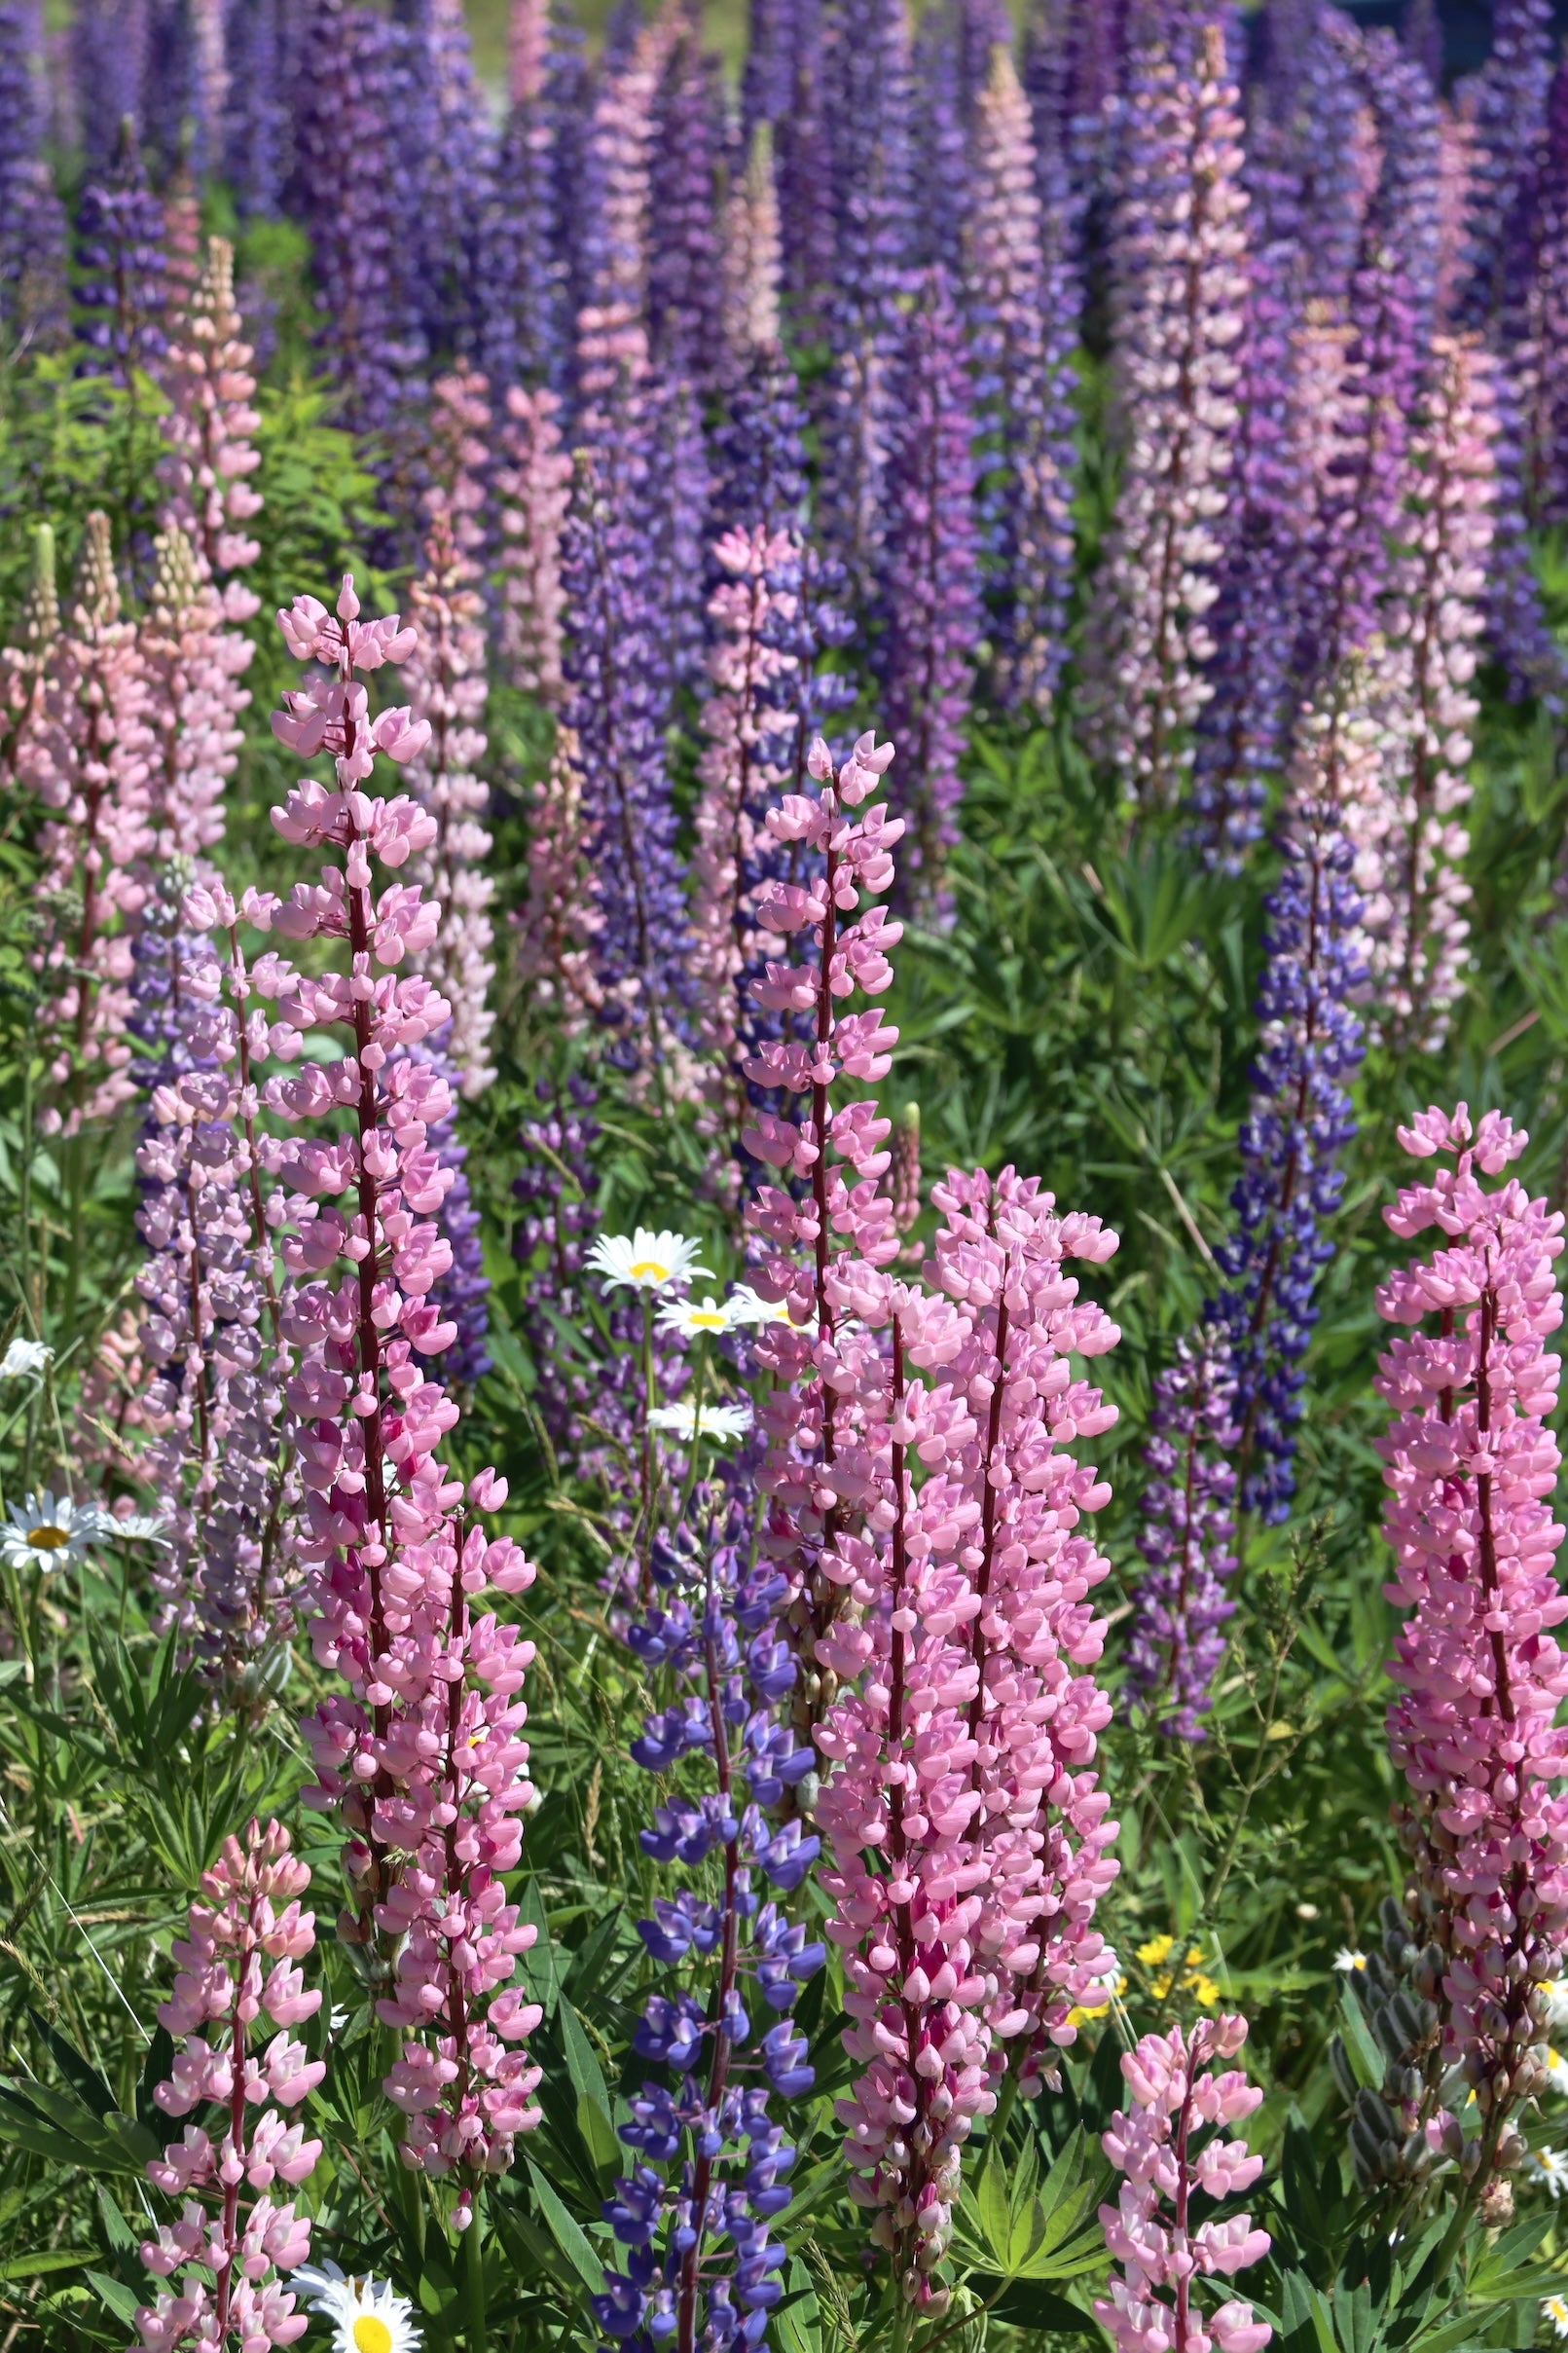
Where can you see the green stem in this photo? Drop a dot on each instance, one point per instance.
(473, 2281)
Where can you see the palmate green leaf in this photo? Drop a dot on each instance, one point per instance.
(1010, 2228)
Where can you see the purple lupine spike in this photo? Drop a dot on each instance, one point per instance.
(688, 148)
(169, 82)
(32, 221)
(1517, 630)
(941, 145)
(1021, 321)
(1313, 99)
(612, 324)
(345, 188)
(868, 74)
(446, 151)
(525, 284)
(1405, 210)
(1421, 35)
(257, 124)
(122, 286)
(108, 57)
(931, 583)
(1179, 255)
(804, 164)
(710, 2180)
(1241, 734)
(618, 681)
(1506, 105)
(1346, 574)
(759, 445)
(1302, 1116)
(1187, 1513)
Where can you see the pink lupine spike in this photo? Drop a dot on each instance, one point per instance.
(534, 485)
(209, 426)
(237, 1964)
(1151, 2306)
(85, 752)
(193, 664)
(422, 1753)
(1470, 1464)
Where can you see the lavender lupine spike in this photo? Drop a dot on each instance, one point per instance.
(1418, 947)
(1180, 248)
(687, 149)
(208, 426)
(446, 151)
(108, 60)
(869, 85)
(1508, 108)
(525, 284)
(804, 155)
(558, 923)
(1309, 1048)
(1024, 384)
(940, 139)
(1179, 1605)
(1242, 731)
(258, 128)
(930, 586)
(618, 688)
(344, 189)
(697, 2209)
(1518, 630)
(1408, 118)
(759, 441)
(121, 285)
(611, 329)
(31, 218)
(748, 721)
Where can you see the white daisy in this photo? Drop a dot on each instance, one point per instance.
(1557, 2071)
(1348, 1960)
(366, 2315)
(49, 1532)
(1549, 2167)
(25, 1360)
(747, 1307)
(1555, 1990)
(646, 1261)
(137, 1527)
(696, 1319)
(720, 1422)
(1555, 2311)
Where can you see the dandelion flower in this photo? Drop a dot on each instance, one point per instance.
(366, 2315)
(45, 1531)
(646, 1261)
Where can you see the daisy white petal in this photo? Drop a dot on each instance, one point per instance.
(645, 1261)
(48, 1532)
(1549, 2167)
(749, 1307)
(366, 2315)
(694, 1320)
(1555, 2311)
(25, 1360)
(1348, 1960)
(720, 1422)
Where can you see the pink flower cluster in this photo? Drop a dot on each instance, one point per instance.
(208, 427)
(238, 1962)
(946, 1627)
(534, 485)
(192, 665)
(1472, 1465)
(1152, 2143)
(424, 1754)
(85, 752)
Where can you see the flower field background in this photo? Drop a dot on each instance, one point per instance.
(784, 1012)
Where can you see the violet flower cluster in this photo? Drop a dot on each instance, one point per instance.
(711, 2179)
(1177, 1639)
(1470, 1464)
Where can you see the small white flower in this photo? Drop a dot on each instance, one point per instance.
(25, 1360)
(696, 1319)
(44, 1531)
(720, 1422)
(137, 1527)
(646, 1261)
(1549, 2167)
(367, 2316)
(746, 1306)
(1348, 1960)
(1555, 2311)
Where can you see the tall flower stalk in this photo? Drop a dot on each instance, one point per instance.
(1471, 1462)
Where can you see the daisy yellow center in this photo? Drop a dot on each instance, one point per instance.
(708, 1323)
(651, 1268)
(48, 1538)
(372, 2334)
